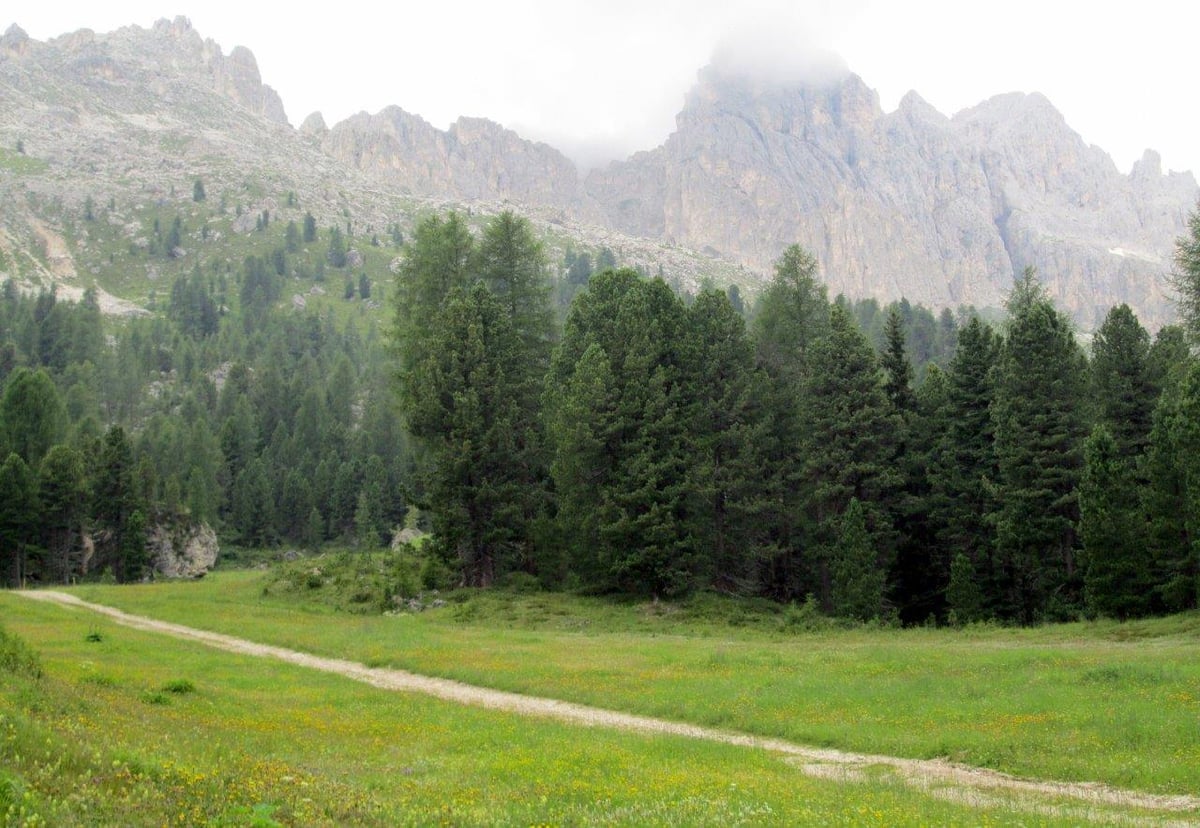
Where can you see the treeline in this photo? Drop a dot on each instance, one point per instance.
(657, 446)
(271, 426)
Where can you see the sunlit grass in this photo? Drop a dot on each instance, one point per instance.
(256, 742)
(1088, 702)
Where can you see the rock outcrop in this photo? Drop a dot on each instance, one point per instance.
(475, 159)
(182, 551)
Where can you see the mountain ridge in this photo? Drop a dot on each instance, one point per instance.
(940, 209)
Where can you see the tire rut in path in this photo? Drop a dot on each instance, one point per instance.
(939, 777)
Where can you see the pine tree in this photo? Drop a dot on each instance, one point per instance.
(728, 483)
(849, 444)
(462, 404)
(964, 597)
(19, 509)
(32, 415)
(897, 370)
(963, 470)
(436, 262)
(63, 494)
(792, 313)
(1117, 561)
(1039, 432)
(1122, 390)
(115, 500)
(857, 580)
(1173, 492)
(620, 413)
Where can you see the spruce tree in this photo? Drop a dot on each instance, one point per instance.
(1116, 558)
(857, 579)
(729, 484)
(463, 403)
(63, 495)
(1173, 493)
(962, 463)
(1123, 393)
(19, 510)
(849, 430)
(1039, 433)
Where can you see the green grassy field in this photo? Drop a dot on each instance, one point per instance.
(1106, 702)
(132, 728)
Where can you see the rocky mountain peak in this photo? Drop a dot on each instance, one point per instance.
(314, 126)
(14, 44)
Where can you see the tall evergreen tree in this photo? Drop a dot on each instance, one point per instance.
(1122, 390)
(1173, 492)
(1038, 413)
(462, 403)
(63, 494)
(19, 510)
(791, 314)
(849, 430)
(1117, 563)
(32, 415)
(729, 484)
(963, 470)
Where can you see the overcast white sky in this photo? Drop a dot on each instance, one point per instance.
(606, 78)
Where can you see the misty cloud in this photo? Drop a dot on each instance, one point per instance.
(770, 54)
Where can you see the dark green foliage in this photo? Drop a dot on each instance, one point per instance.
(19, 511)
(897, 371)
(192, 305)
(32, 415)
(791, 314)
(117, 506)
(336, 256)
(63, 496)
(1038, 414)
(620, 416)
(962, 466)
(730, 491)
(198, 193)
(1122, 390)
(310, 228)
(849, 442)
(964, 596)
(856, 578)
(1173, 493)
(462, 403)
(437, 260)
(1117, 561)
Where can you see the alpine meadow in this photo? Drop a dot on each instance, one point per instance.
(819, 466)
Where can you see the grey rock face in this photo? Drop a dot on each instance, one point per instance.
(943, 211)
(182, 551)
(475, 159)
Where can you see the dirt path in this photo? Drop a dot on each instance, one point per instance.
(937, 777)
